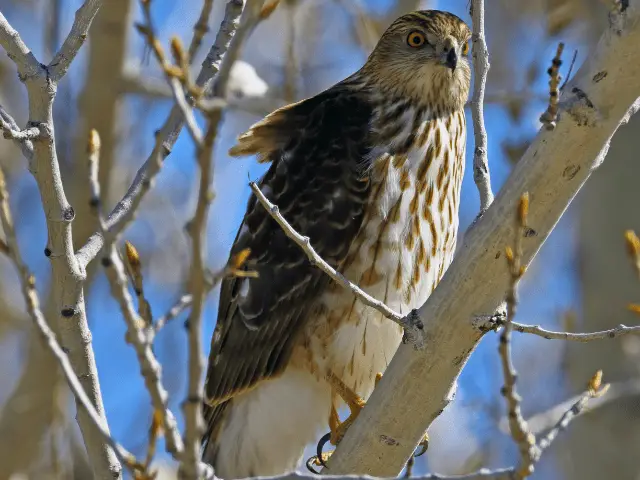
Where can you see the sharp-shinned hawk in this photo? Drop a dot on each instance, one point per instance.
(370, 170)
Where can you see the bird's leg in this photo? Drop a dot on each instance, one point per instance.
(337, 429)
(355, 403)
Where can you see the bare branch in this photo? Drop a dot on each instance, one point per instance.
(517, 424)
(187, 111)
(251, 16)
(546, 420)
(125, 210)
(481, 174)
(240, 98)
(418, 385)
(412, 327)
(18, 52)
(200, 29)
(483, 474)
(615, 332)
(8, 124)
(30, 294)
(594, 390)
(68, 274)
(183, 303)
(134, 268)
(76, 38)
(548, 118)
(194, 423)
(149, 366)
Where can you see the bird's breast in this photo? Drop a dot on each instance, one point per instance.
(406, 242)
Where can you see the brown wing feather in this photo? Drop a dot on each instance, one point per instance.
(318, 180)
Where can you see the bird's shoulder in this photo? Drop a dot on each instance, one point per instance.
(339, 114)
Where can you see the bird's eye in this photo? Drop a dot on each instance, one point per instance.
(416, 39)
(465, 48)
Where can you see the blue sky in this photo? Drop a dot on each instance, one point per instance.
(544, 293)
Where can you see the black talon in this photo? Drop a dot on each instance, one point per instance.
(424, 447)
(323, 441)
(310, 465)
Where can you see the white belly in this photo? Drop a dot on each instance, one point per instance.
(406, 243)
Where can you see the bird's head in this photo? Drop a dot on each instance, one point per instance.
(423, 55)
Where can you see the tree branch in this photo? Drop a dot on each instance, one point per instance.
(28, 283)
(411, 324)
(76, 38)
(484, 474)
(18, 52)
(149, 366)
(11, 130)
(517, 424)
(418, 384)
(546, 420)
(67, 274)
(615, 332)
(194, 423)
(125, 210)
(200, 29)
(481, 174)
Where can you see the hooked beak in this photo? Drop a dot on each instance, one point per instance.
(451, 59)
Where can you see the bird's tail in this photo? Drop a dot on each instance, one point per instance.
(263, 431)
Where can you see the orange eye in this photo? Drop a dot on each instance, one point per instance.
(465, 49)
(416, 39)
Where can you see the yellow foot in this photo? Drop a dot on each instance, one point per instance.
(337, 429)
(355, 403)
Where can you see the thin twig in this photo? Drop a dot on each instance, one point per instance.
(200, 29)
(412, 325)
(546, 420)
(211, 281)
(481, 173)
(76, 38)
(149, 365)
(30, 294)
(520, 432)
(17, 51)
(549, 117)
(9, 124)
(134, 269)
(571, 65)
(187, 111)
(594, 390)
(615, 332)
(124, 212)
(183, 303)
(194, 424)
(176, 75)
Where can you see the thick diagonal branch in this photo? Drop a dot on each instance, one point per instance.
(418, 385)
